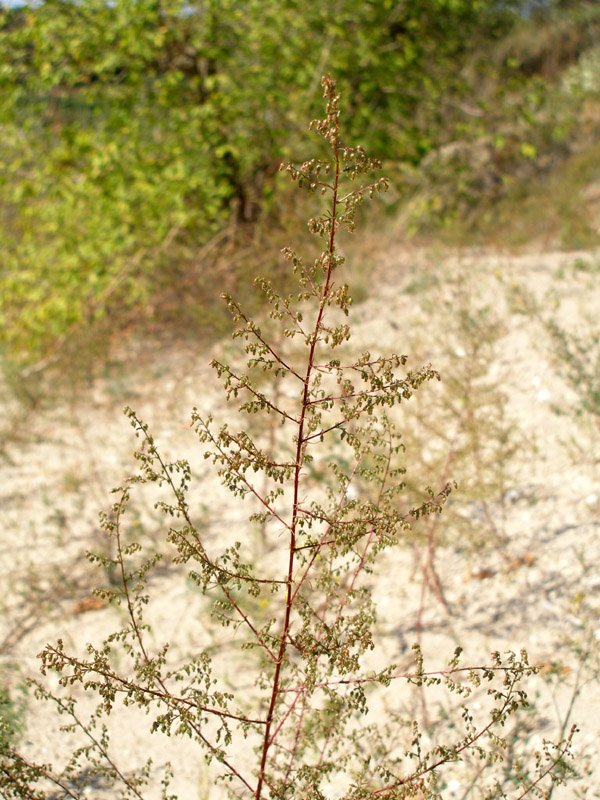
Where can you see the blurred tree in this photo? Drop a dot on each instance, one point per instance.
(132, 131)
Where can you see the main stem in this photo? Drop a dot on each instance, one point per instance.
(299, 463)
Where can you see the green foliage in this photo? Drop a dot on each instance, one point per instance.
(133, 132)
(136, 136)
(506, 169)
(308, 718)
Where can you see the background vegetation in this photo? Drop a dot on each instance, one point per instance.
(140, 141)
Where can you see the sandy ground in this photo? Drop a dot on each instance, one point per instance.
(528, 576)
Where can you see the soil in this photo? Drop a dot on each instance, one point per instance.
(515, 567)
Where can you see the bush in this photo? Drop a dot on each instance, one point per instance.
(133, 134)
(299, 622)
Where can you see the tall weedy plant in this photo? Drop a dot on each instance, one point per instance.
(311, 699)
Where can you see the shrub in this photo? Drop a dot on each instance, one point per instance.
(133, 136)
(304, 613)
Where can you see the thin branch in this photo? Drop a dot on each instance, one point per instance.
(165, 695)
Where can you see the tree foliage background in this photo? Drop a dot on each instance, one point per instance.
(132, 133)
